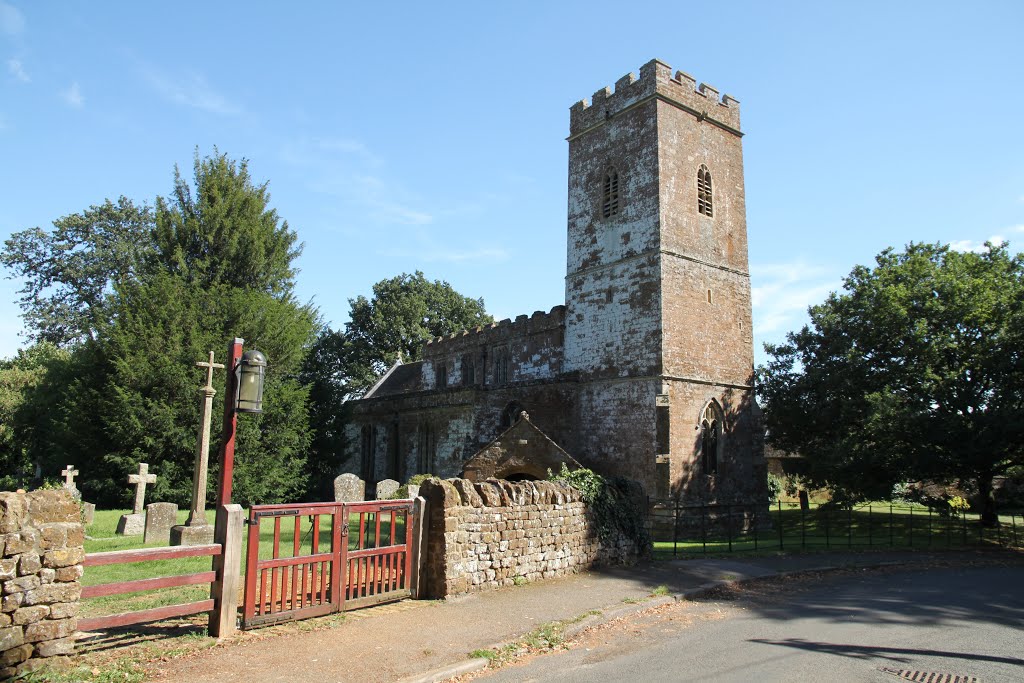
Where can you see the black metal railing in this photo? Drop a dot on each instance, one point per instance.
(680, 530)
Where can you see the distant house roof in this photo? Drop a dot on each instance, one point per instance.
(401, 378)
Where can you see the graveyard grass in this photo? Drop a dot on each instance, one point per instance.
(100, 537)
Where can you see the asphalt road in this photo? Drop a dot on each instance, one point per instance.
(850, 626)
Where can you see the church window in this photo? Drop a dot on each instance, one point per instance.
(705, 203)
(428, 449)
(510, 415)
(610, 194)
(468, 370)
(501, 364)
(710, 438)
(441, 375)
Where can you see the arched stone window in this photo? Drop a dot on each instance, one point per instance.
(705, 200)
(710, 438)
(610, 194)
(501, 367)
(468, 370)
(510, 415)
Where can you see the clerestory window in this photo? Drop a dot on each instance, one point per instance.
(705, 199)
(610, 194)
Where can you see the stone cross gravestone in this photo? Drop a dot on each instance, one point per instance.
(134, 524)
(386, 488)
(348, 488)
(197, 530)
(69, 473)
(160, 517)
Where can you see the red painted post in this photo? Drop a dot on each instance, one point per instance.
(227, 449)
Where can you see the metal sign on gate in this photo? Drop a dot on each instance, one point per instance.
(313, 559)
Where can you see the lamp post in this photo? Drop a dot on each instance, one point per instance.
(244, 394)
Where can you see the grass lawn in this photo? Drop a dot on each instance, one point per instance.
(295, 538)
(786, 528)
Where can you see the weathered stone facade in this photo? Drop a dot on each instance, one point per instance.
(483, 535)
(41, 546)
(647, 370)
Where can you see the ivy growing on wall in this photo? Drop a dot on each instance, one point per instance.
(612, 502)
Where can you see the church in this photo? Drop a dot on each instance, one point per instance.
(646, 371)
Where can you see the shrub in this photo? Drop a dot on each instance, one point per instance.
(614, 508)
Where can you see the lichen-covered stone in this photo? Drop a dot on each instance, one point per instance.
(30, 615)
(11, 636)
(72, 573)
(23, 541)
(50, 629)
(15, 655)
(63, 557)
(29, 563)
(54, 648)
(13, 511)
(64, 610)
(21, 584)
(53, 592)
(52, 506)
(8, 568)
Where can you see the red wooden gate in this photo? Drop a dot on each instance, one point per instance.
(317, 558)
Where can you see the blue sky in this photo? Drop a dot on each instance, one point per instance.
(431, 136)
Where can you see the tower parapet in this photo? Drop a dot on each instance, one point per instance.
(656, 80)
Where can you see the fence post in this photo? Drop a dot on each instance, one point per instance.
(929, 526)
(870, 538)
(1013, 521)
(703, 529)
(755, 527)
(890, 525)
(849, 526)
(911, 526)
(419, 517)
(228, 565)
(803, 528)
(675, 529)
(828, 530)
(782, 543)
(728, 524)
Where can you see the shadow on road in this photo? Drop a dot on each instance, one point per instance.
(873, 651)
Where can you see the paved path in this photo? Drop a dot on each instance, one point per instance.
(406, 640)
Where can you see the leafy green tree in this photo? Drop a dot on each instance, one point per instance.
(70, 271)
(403, 312)
(915, 371)
(28, 387)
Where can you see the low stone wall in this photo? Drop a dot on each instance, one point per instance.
(484, 535)
(41, 552)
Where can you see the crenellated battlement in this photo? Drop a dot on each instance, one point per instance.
(498, 332)
(655, 79)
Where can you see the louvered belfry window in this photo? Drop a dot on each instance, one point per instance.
(705, 203)
(610, 204)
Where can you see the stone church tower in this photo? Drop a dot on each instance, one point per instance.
(658, 321)
(647, 369)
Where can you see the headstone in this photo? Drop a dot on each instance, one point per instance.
(183, 534)
(348, 488)
(160, 517)
(134, 524)
(386, 488)
(69, 473)
(414, 490)
(805, 503)
(88, 513)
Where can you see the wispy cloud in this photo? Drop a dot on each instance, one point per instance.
(191, 91)
(782, 292)
(976, 246)
(73, 96)
(12, 21)
(16, 69)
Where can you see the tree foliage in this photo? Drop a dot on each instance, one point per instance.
(403, 312)
(70, 271)
(219, 266)
(914, 371)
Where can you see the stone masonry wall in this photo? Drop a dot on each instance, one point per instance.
(41, 546)
(486, 535)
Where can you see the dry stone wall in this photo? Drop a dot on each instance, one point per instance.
(41, 546)
(485, 535)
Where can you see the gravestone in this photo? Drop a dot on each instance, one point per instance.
(348, 488)
(386, 488)
(134, 524)
(414, 490)
(160, 517)
(88, 513)
(69, 473)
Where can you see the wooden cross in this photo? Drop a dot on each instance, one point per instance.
(69, 475)
(210, 366)
(140, 480)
